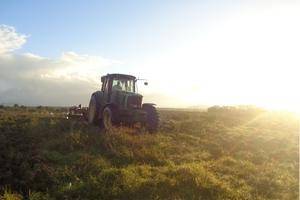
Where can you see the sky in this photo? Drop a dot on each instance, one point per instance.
(192, 53)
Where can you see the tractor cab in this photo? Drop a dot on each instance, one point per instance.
(119, 90)
(118, 82)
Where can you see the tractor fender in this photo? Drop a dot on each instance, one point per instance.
(97, 96)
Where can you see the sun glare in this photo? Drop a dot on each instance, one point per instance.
(250, 57)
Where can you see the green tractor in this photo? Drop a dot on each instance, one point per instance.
(119, 103)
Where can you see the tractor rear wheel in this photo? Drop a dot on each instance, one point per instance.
(107, 117)
(92, 111)
(152, 120)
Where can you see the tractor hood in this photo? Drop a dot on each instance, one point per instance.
(132, 100)
(127, 100)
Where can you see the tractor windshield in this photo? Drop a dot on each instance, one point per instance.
(126, 85)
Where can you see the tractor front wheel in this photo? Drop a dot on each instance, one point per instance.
(152, 118)
(107, 117)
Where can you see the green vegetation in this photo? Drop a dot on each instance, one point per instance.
(225, 153)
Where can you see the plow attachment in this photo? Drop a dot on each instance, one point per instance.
(78, 112)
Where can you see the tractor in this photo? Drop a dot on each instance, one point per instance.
(119, 103)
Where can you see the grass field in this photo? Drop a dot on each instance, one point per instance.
(225, 153)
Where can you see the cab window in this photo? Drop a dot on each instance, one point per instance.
(123, 85)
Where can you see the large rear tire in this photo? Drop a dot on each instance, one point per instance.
(92, 111)
(152, 120)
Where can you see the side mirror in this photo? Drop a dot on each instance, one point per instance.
(145, 83)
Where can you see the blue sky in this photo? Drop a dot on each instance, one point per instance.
(108, 28)
(192, 52)
(90, 27)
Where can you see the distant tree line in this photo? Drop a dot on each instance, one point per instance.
(235, 109)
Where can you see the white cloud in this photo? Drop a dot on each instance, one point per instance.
(33, 80)
(10, 40)
(30, 79)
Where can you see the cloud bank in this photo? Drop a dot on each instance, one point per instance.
(30, 79)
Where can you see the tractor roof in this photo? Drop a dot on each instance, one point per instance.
(119, 76)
